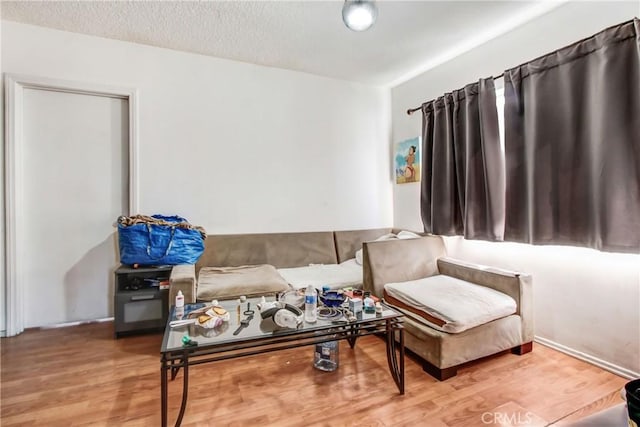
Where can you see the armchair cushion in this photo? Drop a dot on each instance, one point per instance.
(517, 285)
(449, 304)
(249, 280)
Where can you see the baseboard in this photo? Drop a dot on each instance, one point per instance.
(3, 334)
(618, 370)
(76, 323)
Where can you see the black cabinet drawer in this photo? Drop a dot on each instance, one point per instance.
(139, 304)
(139, 310)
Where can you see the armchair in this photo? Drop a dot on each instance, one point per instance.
(419, 265)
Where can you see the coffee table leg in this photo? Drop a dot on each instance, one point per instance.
(353, 336)
(185, 388)
(396, 367)
(174, 370)
(164, 371)
(401, 334)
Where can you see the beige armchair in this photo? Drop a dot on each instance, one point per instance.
(408, 261)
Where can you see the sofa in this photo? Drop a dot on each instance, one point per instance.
(266, 263)
(388, 264)
(420, 266)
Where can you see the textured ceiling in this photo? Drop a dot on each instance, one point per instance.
(307, 36)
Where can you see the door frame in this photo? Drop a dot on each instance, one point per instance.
(14, 86)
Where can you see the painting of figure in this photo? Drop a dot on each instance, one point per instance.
(408, 161)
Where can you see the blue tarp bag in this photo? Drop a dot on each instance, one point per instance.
(159, 240)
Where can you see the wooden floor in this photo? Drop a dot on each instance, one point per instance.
(80, 376)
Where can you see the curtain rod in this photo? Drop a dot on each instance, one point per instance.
(410, 111)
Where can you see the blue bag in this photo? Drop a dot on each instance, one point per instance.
(159, 240)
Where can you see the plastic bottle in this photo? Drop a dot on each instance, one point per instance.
(310, 304)
(326, 356)
(179, 300)
(378, 308)
(368, 303)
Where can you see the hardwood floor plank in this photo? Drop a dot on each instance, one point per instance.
(607, 401)
(81, 376)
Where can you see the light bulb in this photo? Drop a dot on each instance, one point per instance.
(359, 15)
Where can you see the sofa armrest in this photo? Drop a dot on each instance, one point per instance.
(183, 278)
(517, 285)
(390, 261)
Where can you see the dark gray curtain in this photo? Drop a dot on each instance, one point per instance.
(463, 183)
(572, 144)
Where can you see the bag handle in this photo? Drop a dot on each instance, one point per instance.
(173, 229)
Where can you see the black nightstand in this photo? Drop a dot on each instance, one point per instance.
(141, 299)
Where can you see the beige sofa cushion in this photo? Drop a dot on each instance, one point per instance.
(282, 250)
(399, 260)
(349, 241)
(249, 280)
(336, 276)
(449, 304)
(388, 236)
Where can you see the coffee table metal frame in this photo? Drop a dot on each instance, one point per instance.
(389, 325)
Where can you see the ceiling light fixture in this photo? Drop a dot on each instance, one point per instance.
(359, 15)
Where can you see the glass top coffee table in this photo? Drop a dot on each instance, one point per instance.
(262, 336)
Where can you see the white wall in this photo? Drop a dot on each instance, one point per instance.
(234, 147)
(3, 295)
(585, 300)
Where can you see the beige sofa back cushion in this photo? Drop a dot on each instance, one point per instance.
(399, 261)
(281, 250)
(348, 242)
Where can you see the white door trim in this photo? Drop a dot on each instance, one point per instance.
(14, 90)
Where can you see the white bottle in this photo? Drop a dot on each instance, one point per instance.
(310, 304)
(179, 300)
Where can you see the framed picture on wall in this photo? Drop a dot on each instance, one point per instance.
(407, 160)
